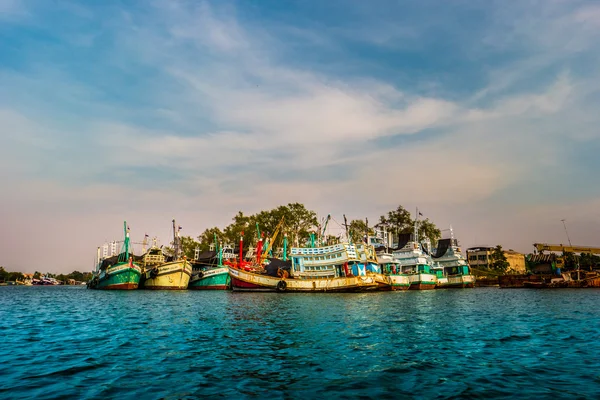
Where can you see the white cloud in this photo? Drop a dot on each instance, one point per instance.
(269, 119)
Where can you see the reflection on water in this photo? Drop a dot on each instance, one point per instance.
(70, 342)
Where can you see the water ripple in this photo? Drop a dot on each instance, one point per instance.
(61, 342)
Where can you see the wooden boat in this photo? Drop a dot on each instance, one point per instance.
(311, 269)
(208, 271)
(118, 272)
(166, 273)
(245, 280)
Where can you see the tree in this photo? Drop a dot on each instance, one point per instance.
(498, 260)
(427, 229)
(570, 260)
(207, 238)
(399, 221)
(188, 246)
(358, 230)
(298, 222)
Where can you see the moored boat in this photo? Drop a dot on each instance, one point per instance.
(342, 267)
(117, 272)
(166, 272)
(389, 267)
(208, 271)
(452, 269)
(414, 264)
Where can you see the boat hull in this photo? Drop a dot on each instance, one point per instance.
(173, 275)
(456, 282)
(399, 282)
(248, 281)
(121, 276)
(211, 279)
(422, 281)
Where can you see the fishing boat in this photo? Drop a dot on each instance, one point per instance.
(161, 272)
(451, 268)
(391, 269)
(341, 267)
(117, 272)
(413, 262)
(208, 271)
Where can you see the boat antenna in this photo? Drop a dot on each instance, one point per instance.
(567, 232)
(346, 226)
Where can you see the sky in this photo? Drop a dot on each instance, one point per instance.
(483, 114)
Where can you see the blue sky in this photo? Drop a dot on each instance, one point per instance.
(482, 114)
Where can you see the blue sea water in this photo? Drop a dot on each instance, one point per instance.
(69, 342)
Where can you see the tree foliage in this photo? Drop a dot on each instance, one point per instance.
(299, 222)
(358, 230)
(399, 221)
(498, 260)
(6, 276)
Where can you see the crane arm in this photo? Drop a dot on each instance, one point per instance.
(571, 249)
(270, 244)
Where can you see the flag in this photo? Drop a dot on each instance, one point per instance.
(420, 213)
(146, 235)
(180, 228)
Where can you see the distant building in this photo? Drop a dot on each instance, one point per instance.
(480, 258)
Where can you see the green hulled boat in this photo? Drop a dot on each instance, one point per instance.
(208, 272)
(118, 272)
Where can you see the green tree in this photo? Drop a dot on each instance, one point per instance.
(358, 230)
(570, 260)
(427, 229)
(37, 275)
(498, 260)
(3, 274)
(399, 221)
(188, 246)
(207, 238)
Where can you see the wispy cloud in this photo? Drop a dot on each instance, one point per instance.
(201, 109)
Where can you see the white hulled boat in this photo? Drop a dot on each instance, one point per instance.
(451, 267)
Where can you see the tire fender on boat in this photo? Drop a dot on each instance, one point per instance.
(281, 286)
(200, 275)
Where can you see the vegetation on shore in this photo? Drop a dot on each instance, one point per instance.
(6, 276)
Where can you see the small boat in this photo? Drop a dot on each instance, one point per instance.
(117, 272)
(451, 268)
(162, 272)
(208, 271)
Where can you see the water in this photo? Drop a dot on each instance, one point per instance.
(69, 342)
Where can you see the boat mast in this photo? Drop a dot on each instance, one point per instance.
(175, 241)
(417, 226)
(126, 229)
(346, 226)
(241, 248)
